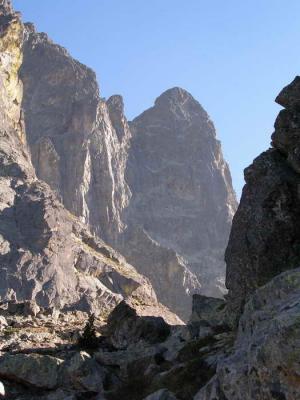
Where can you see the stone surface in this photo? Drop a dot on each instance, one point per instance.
(82, 372)
(265, 360)
(208, 316)
(47, 256)
(164, 198)
(3, 322)
(38, 371)
(78, 141)
(265, 236)
(182, 202)
(131, 322)
(162, 394)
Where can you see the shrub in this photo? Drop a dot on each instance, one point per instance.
(89, 340)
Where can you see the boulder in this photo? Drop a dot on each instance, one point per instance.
(81, 372)
(131, 322)
(35, 370)
(208, 316)
(264, 363)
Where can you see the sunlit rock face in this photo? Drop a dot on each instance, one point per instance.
(164, 197)
(73, 143)
(46, 254)
(265, 236)
(182, 202)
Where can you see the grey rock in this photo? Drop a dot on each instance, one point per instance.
(208, 316)
(47, 255)
(264, 363)
(162, 394)
(147, 197)
(26, 308)
(81, 372)
(182, 202)
(265, 235)
(131, 322)
(6, 7)
(74, 145)
(38, 371)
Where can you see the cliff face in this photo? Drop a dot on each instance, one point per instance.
(46, 254)
(265, 236)
(164, 198)
(74, 145)
(264, 286)
(182, 198)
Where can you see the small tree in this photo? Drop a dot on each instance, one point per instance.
(89, 340)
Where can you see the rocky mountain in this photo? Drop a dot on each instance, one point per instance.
(157, 189)
(46, 254)
(182, 203)
(74, 145)
(55, 273)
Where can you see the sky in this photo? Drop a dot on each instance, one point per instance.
(233, 56)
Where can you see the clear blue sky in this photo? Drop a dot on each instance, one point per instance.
(233, 56)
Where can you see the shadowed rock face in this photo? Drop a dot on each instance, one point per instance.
(47, 254)
(264, 361)
(164, 198)
(265, 236)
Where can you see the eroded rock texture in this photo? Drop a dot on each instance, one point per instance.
(46, 254)
(182, 202)
(264, 363)
(265, 236)
(74, 145)
(163, 198)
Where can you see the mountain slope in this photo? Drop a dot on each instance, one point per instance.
(182, 199)
(47, 254)
(81, 146)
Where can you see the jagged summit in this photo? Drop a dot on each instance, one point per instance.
(116, 101)
(157, 189)
(178, 98)
(175, 94)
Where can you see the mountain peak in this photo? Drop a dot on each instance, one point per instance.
(174, 95)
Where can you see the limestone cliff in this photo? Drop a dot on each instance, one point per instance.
(74, 145)
(182, 204)
(47, 254)
(164, 198)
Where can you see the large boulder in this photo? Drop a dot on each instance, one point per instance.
(81, 372)
(31, 369)
(208, 316)
(131, 322)
(265, 360)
